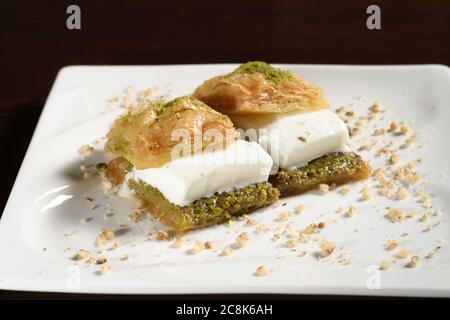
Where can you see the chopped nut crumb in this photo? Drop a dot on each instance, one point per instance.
(81, 254)
(321, 225)
(260, 228)
(374, 108)
(198, 247)
(402, 254)
(107, 187)
(351, 211)
(115, 245)
(85, 220)
(209, 245)
(395, 215)
(413, 262)
(226, 251)
(105, 236)
(104, 270)
(424, 217)
(300, 208)
(162, 235)
(292, 243)
(393, 159)
(87, 175)
(178, 243)
(323, 188)
(384, 266)
(401, 194)
(302, 254)
(261, 271)
(248, 221)
(404, 129)
(431, 254)
(101, 260)
(393, 127)
(365, 194)
(283, 216)
(125, 257)
(312, 228)
(326, 248)
(391, 245)
(242, 239)
(85, 150)
(345, 189)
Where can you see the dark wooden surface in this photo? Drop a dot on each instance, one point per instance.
(35, 44)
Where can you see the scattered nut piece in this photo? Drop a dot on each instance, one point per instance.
(365, 194)
(395, 215)
(178, 243)
(292, 243)
(393, 159)
(351, 211)
(401, 194)
(115, 245)
(393, 127)
(283, 216)
(81, 254)
(402, 254)
(227, 251)
(345, 189)
(85, 220)
(404, 129)
(300, 208)
(413, 262)
(85, 150)
(105, 236)
(260, 228)
(101, 260)
(323, 188)
(374, 108)
(104, 269)
(326, 248)
(391, 245)
(384, 266)
(209, 245)
(261, 271)
(198, 247)
(242, 239)
(162, 235)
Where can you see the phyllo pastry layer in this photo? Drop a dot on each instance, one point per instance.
(146, 138)
(257, 87)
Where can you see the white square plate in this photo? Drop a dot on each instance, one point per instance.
(42, 217)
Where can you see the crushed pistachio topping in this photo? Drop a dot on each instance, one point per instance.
(270, 73)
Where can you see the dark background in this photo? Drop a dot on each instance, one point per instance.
(35, 44)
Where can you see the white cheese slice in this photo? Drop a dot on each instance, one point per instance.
(294, 139)
(187, 179)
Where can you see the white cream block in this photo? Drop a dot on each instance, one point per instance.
(294, 139)
(187, 179)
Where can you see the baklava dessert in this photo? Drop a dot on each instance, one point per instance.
(291, 119)
(183, 163)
